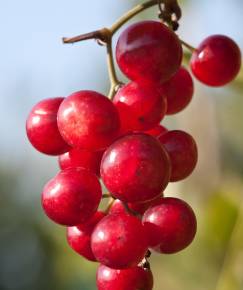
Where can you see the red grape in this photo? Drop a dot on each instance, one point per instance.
(79, 237)
(216, 61)
(72, 196)
(148, 51)
(171, 225)
(140, 107)
(157, 131)
(42, 130)
(182, 150)
(178, 91)
(119, 241)
(135, 168)
(135, 278)
(89, 160)
(88, 120)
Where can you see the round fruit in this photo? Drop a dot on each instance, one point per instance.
(171, 225)
(140, 107)
(182, 150)
(89, 160)
(72, 196)
(216, 61)
(119, 241)
(148, 51)
(42, 130)
(136, 278)
(88, 120)
(157, 131)
(178, 91)
(135, 168)
(79, 237)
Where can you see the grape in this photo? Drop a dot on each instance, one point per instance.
(157, 131)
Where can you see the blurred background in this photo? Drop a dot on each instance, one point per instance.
(35, 65)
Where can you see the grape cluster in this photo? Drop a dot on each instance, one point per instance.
(121, 143)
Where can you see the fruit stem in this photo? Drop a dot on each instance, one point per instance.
(129, 210)
(188, 46)
(114, 82)
(106, 195)
(109, 205)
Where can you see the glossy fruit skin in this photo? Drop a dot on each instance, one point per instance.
(178, 91)
(141, 107)
(171, 226)
(135, 168)
(89, 160)
(79, 237)
(72, 196)
(135, 278)
(157, 131)
(138, 207)
(88, 120)
(216, 61)
(182, 150)
(148, 52)
(42, 130)
(119, 241)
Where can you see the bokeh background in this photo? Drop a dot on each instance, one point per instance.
(35, 65)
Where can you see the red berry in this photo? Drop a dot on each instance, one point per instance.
(72, 196)
(135, 278)
(138, 207)
(140, 107)
(79, 237)
(89, 160)
(148, 51)
(171, 225)
(178, 91)
(119, 241)
(42, 130)
(157, 131)
(88, 120)
(216, 61)
(182, 150)
(135, 168)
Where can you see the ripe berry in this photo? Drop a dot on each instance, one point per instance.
(88, 120)
(216, 61)
(42, 130)
(135, 278)
(140, 107)
(182, 150)
(171, 225)
(137, 207)
(119, 241)
(79, 237)
(178, 91)
(148, 51)
(72, 196)
(135, 168)
(89, 160)
(157, 131)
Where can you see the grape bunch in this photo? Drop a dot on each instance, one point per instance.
(120, 143)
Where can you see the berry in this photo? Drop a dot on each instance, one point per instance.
(137, 207)
(42, 130)
(182, 150)
(178, 91)
(171, 225)
(140, 107)
(79, 237)
(157, 131)
(216, 61)
(72, 196)
(88, 120)
(89, 160)
(135, 168)
(119, 241)
(135, 278)
(148, 51)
